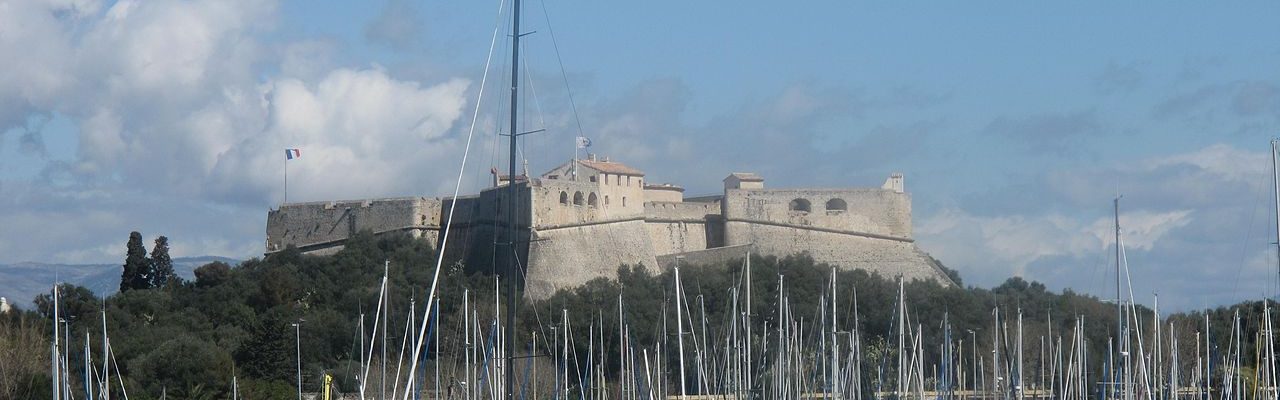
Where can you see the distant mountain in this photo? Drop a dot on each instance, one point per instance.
(20, 283)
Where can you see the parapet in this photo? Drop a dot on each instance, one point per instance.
(664, 192)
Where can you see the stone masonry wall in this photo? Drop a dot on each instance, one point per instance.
(889, 258)
(570, 256)
(871, 211)
(321, 225)
(677, 227)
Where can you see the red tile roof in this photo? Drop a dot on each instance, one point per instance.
(610, 167)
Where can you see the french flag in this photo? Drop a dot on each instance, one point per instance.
(290, 154)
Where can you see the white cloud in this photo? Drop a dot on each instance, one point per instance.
(177, 100)
(362, 134)
(1189, 221)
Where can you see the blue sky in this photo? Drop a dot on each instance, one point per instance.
(1015, 123)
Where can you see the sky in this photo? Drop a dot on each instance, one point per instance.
(1016, 124)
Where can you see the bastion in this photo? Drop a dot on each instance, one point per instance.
(585, 218)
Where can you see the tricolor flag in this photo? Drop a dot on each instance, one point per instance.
(290, 154)
(583, 142)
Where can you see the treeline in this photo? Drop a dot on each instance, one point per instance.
(188, 338)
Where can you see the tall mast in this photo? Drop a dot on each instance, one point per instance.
(512, 193)
(1275, 184)
(1120, 331)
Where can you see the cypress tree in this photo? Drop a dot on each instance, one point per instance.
(161, 265)
(136, 265)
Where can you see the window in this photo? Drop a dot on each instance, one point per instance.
(606, 200)
(577, 198)
(628, 180)
(801, 205)
(593, 178)
(591, 200)
(606, 178)
(837, 205)
(624, 201)
(564, 198)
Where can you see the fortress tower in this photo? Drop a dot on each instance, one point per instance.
(587, 217)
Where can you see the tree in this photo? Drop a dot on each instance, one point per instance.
(75, 303)
(135, 274)
(212, 274)
(161, 265)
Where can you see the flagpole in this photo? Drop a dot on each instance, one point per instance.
(286, 178)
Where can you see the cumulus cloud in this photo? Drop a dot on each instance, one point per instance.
(180, 125)
(1189, 217)
(361, 131)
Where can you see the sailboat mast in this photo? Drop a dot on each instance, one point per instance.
(1120, 331)
(511, 200)
(1275, 184)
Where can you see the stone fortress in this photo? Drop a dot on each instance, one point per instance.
(587, 217)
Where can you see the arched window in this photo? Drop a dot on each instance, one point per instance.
(591, 200)
(837, 205)
(577, 198)
(564, 198)
(624, 201)
(799, 205)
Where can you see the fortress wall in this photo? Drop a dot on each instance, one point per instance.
(679, 211)
(676, 237)
(885, 257)
(676, 227)
(568, 257)
(873, 211)
(480, 222)
(316, 225)
(462, 231)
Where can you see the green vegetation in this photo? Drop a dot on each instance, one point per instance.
(190, 338)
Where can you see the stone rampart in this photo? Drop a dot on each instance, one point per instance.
(872, 211)
(565, 257)
(885, 256)
(324, 226)
(677, 227)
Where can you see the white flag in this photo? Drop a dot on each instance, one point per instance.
(583, 142)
